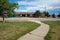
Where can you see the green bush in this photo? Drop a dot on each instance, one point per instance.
(11, 15)
(58, 15)
(53, 15)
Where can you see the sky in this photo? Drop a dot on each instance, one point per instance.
(52, 6)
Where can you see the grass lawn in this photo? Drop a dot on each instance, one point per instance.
(54, 33)
(14, 30)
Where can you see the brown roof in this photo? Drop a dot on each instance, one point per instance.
(24, 12)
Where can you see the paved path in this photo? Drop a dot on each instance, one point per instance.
(26, 18)
(37, 34)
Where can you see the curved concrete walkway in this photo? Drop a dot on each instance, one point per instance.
(37, 34)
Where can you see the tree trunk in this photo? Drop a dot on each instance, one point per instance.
(3, 16)
(3, 19)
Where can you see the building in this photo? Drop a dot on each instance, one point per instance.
(27, 14)
(24, 14)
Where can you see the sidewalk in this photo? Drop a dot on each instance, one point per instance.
(37, 34)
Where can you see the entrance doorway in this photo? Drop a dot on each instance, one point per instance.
(23, 15)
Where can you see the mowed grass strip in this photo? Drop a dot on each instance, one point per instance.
(54, 33)
(14, 30)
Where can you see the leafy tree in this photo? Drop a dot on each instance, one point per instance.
(47, 14)
(59, 15)
(37, 13)
(6, 8)
(53, 15)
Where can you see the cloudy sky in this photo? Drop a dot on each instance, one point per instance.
(52, 6)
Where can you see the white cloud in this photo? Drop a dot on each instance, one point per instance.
(19, 10)
(39, 5)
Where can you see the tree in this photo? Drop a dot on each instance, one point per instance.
(53, 15)
(6, 8)
(47, 14)
(37, 13)
(59, 15)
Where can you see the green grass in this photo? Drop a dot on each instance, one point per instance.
(54, 33)
(14, 30)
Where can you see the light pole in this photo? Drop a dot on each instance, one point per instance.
(45, 8)
(45, 11)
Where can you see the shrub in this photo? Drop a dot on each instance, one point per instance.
(53, 15)
(59, 15)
